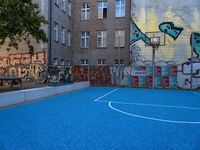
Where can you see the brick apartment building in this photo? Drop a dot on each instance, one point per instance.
(83, 32)
(96, 29)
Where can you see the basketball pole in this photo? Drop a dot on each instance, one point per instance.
(119, 57)
(192, 62)
(153, 61)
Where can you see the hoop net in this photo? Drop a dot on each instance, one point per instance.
(155, 42)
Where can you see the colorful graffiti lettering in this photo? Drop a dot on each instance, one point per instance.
(170, 29)
(138, 35)
(195, 43)
(23, 65)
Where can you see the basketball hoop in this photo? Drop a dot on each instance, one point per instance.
(155, 42)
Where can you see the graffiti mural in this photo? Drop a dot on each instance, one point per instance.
(170, 29)
(179, 21)
(23, 65)
(58, 74)
(137, 34)
(98, 75)
(195, 43)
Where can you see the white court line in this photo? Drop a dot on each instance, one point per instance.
(152, 105)
(196, 93)
(150, 118)
(106, 94)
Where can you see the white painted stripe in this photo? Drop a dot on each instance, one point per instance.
(150, 118)
(196, 93)
(106, 94)
(153, 105)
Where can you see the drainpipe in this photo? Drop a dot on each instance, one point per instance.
(50, 27)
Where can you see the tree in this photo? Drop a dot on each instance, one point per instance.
(20, 20)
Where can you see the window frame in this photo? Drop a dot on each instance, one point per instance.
(85, 62)
(56, 32)
(85, 11)
(103, 39)
(118, 37)
(101, 62)
(69, 38)
(63, 37)
(85, 36)
(120, 10)
(102, 5)
(69, 8)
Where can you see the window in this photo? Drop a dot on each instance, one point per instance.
(101, 39)
(63, 5)
(68, 62)
(85, 11)
(101, 61)
(69, 38)
(55, 61)
(63, 35)
(69, 8)
(85, 39)
(57, 3)
(84, 62)
(62, 62)
(121, 61)
(120, 8)
(55, 32)
(120, 38)
(102, 10)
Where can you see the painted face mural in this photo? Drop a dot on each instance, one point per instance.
(138, 35)
(195, 43)
(170, 29)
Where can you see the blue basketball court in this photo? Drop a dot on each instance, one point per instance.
(105, 118)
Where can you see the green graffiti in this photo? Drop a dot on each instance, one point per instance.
(138, 35)
(170, 29)
(195, 43)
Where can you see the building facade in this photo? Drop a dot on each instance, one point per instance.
(101, 32)
(60, 17)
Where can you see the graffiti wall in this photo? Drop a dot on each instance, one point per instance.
(98, 75)
(23, 65)
(178, 23)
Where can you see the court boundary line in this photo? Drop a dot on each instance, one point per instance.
(106, 94)
(153, 105)
(151, 118)
(196, 93)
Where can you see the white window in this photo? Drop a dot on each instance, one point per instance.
(119, 8)
(63, 5)
(84, 62)
(57, 3)
(62, 62)
(85, 11)
(117, 61)
(101, 61)
(85, 36)
(69, 8)
(102, 10)
(120, 38)
(69, 38)
(56, 32)
(63, 35)
(101, 39)
(55, 61)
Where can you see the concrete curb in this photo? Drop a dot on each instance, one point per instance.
(16, 97)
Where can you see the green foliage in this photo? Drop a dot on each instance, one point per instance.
(19, 21)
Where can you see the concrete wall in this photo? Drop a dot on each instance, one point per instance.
(23, 96)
